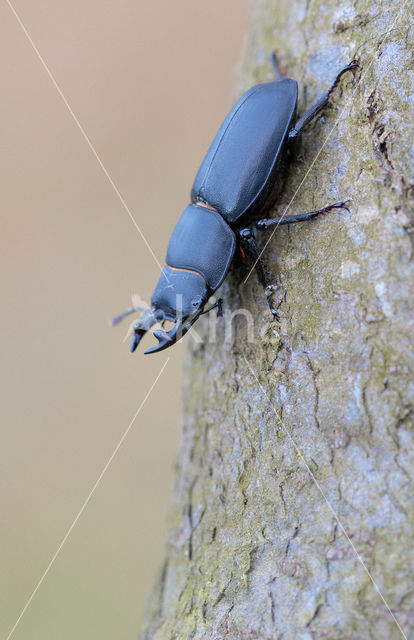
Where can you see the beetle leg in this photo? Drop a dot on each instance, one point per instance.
(322, 102)
(276, 69)
(265, 223)
(249, 244)
(217, 305)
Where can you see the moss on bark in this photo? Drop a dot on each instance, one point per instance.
(254, 550)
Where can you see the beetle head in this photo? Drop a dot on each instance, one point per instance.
(179, 297)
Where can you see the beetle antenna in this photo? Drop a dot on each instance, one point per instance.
(276, 69)
(124, 314)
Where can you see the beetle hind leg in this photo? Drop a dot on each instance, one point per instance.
(320, 104)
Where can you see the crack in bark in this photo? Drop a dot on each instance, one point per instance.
(314, 375)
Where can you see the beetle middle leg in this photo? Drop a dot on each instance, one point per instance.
(265, 223)
(249, 244)
(318, 106)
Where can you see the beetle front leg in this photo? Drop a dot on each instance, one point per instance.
(265, 223)
(317, 108)
(217, 305)
(249, 244)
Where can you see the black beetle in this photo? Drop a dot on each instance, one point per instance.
(238, 181)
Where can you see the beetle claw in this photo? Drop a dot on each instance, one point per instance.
(167, 338)
(164, 341)
(141, 326)
(136, 339)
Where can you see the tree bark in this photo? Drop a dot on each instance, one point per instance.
(292, 510)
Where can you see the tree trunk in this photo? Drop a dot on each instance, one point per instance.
(292, 512)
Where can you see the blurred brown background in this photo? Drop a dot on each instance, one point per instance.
(150, 82)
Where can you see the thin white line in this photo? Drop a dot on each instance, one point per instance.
(300, 454)
(321, 148)
(83, 132)
(85, 504)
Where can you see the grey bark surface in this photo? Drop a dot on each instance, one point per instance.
(293, 490)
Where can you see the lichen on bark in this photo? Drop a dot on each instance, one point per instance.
(320, 409)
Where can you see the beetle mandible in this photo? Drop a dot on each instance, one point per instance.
(238, 181)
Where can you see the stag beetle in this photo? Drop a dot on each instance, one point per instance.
(238, 181)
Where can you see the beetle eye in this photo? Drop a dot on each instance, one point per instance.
(196, 301)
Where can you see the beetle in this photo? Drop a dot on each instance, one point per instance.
(236, 184)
